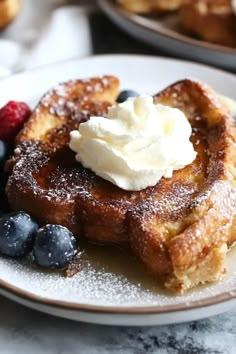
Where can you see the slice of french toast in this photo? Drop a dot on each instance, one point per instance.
(210, 20)
(181, 228)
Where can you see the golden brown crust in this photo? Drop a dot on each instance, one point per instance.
(51, 174)
(9, 9)
(210, 20)
(208, 217)
(179, 228)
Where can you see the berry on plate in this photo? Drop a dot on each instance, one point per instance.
(124, 95)
(12, 117)
(17, 232)
(54, 247)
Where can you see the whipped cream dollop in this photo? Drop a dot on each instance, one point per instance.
(137, 144)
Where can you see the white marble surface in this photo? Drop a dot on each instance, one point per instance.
(25, 331)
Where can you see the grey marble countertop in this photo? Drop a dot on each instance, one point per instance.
(25, 331)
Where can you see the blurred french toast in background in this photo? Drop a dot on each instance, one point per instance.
(9, 9)
(151, 6)
(210, 20)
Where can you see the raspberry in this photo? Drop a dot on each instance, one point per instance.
(12, 118)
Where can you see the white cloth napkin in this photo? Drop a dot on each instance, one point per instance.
(45, 34)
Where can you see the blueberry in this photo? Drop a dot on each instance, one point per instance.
(126, 94)
(17, 232)
(3, 153)
(54, 247)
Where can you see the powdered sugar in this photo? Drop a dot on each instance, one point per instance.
(99, 283)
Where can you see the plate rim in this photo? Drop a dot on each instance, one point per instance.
(148, 25)
(207, 66)
(220, 298)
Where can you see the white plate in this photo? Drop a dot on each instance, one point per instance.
(164, 33)
(112, 288)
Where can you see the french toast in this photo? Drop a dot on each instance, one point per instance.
(9, 9)
(210, 20)
(181, 229)
(151, 6)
